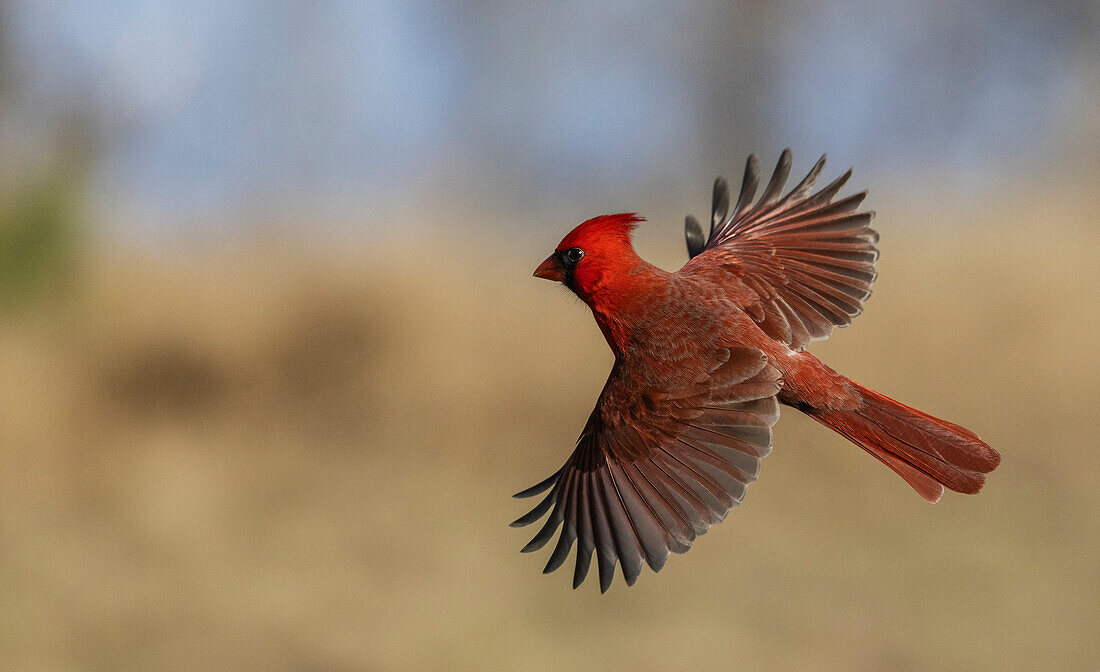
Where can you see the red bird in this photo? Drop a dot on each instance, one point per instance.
(703, 359)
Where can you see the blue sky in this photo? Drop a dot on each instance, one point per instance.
(208, 106)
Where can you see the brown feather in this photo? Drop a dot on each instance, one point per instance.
(650, 475)
(811, 259)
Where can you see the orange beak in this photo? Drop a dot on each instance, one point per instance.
(550, 269)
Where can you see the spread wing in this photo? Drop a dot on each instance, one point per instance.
(809, 260)
(655, 468)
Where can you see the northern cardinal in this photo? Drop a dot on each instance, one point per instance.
(703, 359)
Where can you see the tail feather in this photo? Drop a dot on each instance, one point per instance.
(929, 453)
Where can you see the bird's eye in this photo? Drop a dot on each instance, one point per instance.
(573, 255)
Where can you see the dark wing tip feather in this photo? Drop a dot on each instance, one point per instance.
(749, 182)
(719, 203)
(534, 514)
(540, 487)
(606, 579)
(839, 182)
(807, 182)
(778, 178)
(561, 552)
(693, 233)
(580, 570)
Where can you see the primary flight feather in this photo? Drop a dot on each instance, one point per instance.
(703, 359)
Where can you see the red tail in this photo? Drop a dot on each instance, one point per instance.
(927, 452)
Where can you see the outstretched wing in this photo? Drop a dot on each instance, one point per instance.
(809, 260)
(655, 468)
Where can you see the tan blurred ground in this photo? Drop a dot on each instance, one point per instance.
(301, 459)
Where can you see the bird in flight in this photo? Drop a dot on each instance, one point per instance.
(705, 356)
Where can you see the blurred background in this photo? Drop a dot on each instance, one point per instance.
(272, 361)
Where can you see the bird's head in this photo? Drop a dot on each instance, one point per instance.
(593, 255)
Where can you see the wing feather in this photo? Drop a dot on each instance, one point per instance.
(586, 539)
(626, 540)
(648, 528)
(652, 473)
(569, 530)
(677, 528)
(809, 260)
(606, 551)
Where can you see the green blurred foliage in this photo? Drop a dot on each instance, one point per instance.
(39, 238)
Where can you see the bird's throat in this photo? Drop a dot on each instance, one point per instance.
(615, 318)
(625, 299)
